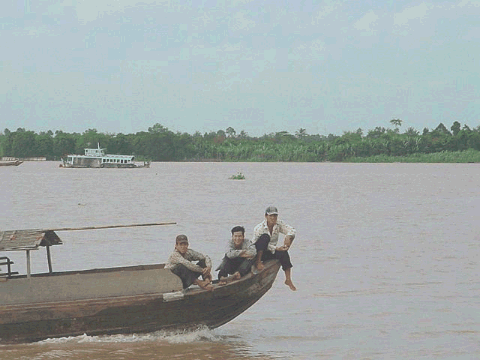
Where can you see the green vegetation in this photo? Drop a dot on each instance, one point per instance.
(459, 144)
(467, 156)
(239, 176)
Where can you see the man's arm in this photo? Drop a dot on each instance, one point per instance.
(207, 270)
(193, 255)
(289, 232)
(286, 229)
(249, 250)
(177, 258)
(232, 252)
(197, 256)
(208, 262)
(257, 232)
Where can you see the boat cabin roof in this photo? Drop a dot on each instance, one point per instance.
(94, 152)
(18, 240)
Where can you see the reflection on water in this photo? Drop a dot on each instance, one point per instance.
(385, 260)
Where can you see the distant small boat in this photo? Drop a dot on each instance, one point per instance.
(10, 163)
(131, 299)
(97, 158)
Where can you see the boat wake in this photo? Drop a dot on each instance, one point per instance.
(171, 337)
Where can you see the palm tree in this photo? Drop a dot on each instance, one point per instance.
(301, 133)
(230, 132)
(397, 123)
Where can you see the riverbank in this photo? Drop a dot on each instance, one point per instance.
(448, 157)
(467, 156)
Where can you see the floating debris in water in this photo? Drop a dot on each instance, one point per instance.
(239, 176)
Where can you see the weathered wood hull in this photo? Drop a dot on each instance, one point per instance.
(11, 163)
(114, 311)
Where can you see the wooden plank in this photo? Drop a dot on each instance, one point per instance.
(15, 240)
(83, 285)
(110, 226)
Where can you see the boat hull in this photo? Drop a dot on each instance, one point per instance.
(11, 163)
(137, 313)
(107, 166)
(98, 164)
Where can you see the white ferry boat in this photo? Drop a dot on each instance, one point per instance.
(97, 158)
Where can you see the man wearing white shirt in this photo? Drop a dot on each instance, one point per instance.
(265, 237)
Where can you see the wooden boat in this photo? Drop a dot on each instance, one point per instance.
(98, 158)
(10, 162)
(138, 299)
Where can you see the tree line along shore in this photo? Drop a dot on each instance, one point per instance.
(440, 145)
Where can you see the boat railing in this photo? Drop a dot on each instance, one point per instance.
(6, 261)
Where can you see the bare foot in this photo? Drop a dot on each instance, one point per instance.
(236, 276)
(289, 283)
(223, 281)
(205, 285)
(260, 266)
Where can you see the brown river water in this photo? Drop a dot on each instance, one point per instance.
(386, 258)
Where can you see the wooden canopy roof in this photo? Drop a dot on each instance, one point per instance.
(17, 240)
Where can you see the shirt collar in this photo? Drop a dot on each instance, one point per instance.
(266, 226)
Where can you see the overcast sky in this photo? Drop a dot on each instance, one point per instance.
(120, 66)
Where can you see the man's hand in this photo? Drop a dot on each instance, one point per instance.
(206, 271)
(282, 248)
(246, 255)
(207, 277)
